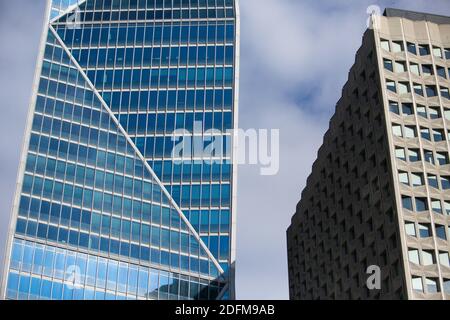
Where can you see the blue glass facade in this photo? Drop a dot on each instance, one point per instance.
(106, 209)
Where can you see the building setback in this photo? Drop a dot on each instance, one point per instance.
(104, 209)
(379, 192)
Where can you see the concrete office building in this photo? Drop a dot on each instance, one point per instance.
(379, 192)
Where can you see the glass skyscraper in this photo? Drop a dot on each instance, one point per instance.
(105, 208)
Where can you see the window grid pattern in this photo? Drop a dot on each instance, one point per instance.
(426, 175)
(85, 191)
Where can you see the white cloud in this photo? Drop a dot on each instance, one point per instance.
(295, 60)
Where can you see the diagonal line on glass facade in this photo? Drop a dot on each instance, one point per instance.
(84, 199)
(138, 152)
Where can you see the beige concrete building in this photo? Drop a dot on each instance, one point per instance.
(379, 192)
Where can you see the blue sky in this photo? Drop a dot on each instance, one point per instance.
(295, 57)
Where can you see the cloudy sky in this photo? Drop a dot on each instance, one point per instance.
(295, 57)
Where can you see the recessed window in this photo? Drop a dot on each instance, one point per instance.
(400, 153)
(422, 111)
(407, 109)
(388, 65)
(428, 258)
(385, 45)
(447, 283)
(403, 87)
(421, 204)
(431, 285)
(410, 132)
(437, 52)
(444, 259)
(397, 130)
(431, 91)
(442, 158)
(397, 46)
(438, 135)
(447, 114)
(410, 229)
(441, 72)
(435, 113)
(403, 177)
(417, 284)
(427, 69)
(440, 232)
(407, 203)
(433, 181)
(400, 67)
(424, 49)
(415, 69)
(447, 209)
(391, 86)
(417, 179)
(418, 89)
(447, 53)
(445, 93)
(425, 230)
(414, 155)
(429, 157)
(425, 133)
(445, 181)
(411, 48)
(413, 255)
(436, 206)
(393, 107)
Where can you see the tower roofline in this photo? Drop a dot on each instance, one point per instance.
(416, 16)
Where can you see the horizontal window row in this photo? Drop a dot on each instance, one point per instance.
(431, 285)
(414, 155)
(436, 135)
(428, 257)
(66, 118)
(187, 147)
(425, 230)
(152, 233)
(188, 196)
(154, 57)
(416, 49)
(84, 155)
(118, 248)
(159, 78)
(158, 4)
(88, 177)
(174, 172)
(407, 109)
(120, 277)
(404, 87)
(424, 69)
(91, 222)
(141, 15)
(419, 204)
(119, 185)
(417, 180)
(168, 123)
(67, 92)
(169, 100)
(150, 34)
(205, 195)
